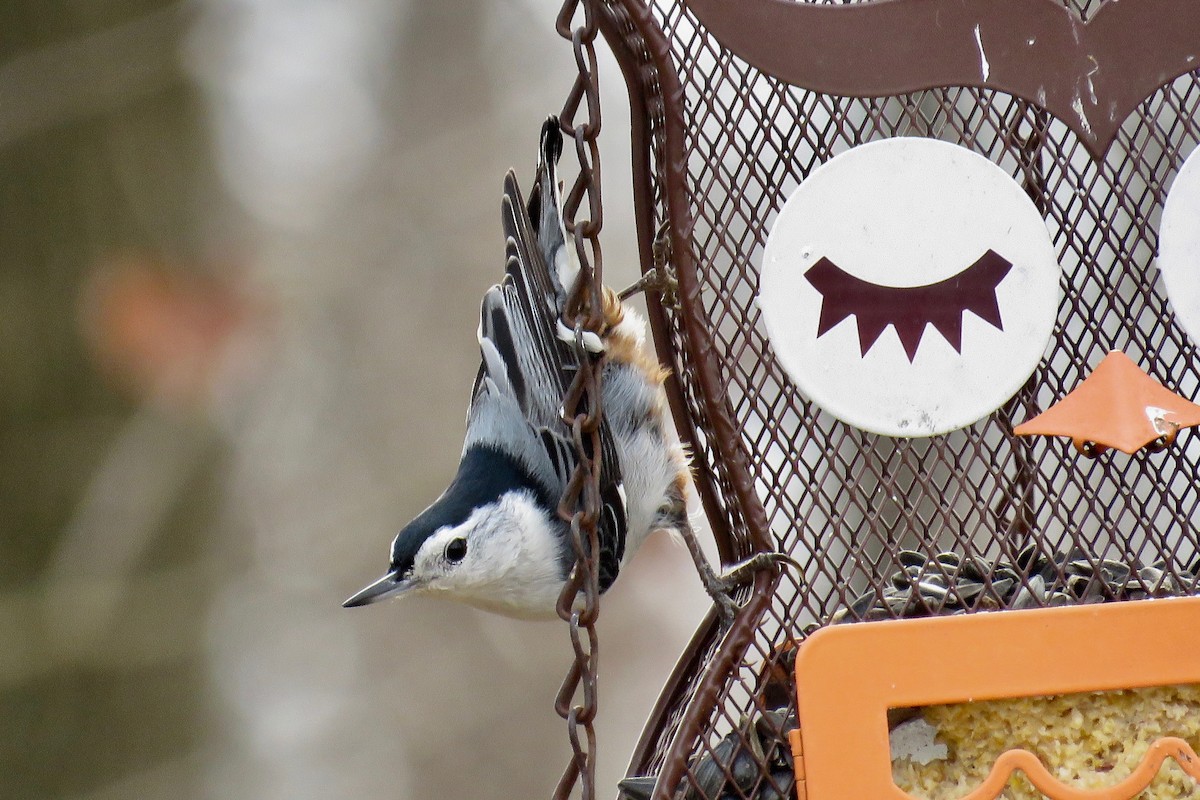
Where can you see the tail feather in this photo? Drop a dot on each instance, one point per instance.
(556, 247)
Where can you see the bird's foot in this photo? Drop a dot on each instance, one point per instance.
(656, 279)
(744, 571)
(720, 587)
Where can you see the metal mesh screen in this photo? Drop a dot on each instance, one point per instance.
(848, 504)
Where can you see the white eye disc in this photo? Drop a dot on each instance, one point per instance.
(909, 287)
(1179, 246)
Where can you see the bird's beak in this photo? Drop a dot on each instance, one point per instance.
(1118, 406)
(390, 585)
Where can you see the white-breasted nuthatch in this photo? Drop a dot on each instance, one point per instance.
(493, 539)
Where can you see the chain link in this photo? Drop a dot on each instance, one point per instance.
(578, 605)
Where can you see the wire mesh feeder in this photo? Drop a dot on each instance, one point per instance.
(734, 106)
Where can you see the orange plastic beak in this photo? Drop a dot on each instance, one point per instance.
(1119, 406)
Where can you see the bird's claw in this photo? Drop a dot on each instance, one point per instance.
(727, 609)
(744, 571)
(656, 279)
(721, 587)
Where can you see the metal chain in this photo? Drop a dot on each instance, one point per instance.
(580, 505)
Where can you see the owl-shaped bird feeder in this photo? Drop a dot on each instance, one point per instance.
(935, 337)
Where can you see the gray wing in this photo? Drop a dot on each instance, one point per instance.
(527, 368)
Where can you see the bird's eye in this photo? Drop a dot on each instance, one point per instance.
(457, 550)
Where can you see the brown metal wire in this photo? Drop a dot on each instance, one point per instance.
(578, 604)
(718, 145)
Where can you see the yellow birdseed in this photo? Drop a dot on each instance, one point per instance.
(1088, 740)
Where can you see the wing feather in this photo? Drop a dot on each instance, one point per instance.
(526, 362)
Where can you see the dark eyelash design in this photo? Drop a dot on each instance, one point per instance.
(909, 309)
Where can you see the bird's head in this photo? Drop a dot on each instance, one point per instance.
(489, 542)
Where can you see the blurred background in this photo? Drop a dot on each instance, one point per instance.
(242, 245)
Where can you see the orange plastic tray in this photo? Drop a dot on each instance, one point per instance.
(847, 676)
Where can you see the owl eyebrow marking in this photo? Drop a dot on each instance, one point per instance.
(909, 309)
(1041, 50)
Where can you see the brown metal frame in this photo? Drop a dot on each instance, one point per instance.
(1091, 75)
(719, 428)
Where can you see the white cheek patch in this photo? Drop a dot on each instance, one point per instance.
(909, 287)
(512, 564)
(429, 560)
(509, 541)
